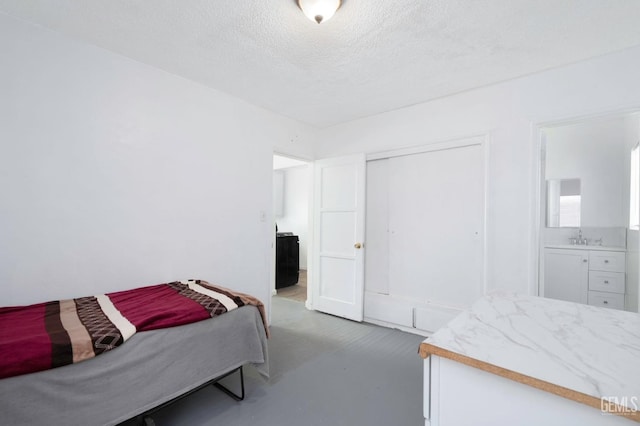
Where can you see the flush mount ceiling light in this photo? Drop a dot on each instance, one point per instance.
(319, 10)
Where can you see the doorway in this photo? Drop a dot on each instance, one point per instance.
(587, 193)
(291, 189)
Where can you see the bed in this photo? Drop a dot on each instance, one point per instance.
(149, 369)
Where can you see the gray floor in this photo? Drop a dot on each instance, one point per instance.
(324, 371)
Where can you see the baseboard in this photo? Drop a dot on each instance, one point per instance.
(398, 327)
(408, 315)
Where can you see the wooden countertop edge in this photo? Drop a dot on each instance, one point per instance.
(427, 349)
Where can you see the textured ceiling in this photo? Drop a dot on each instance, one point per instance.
(373, 56)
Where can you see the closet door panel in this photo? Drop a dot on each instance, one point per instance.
(376, 269)
(436, 220)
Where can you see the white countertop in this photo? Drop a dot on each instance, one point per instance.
(590, 350)
(580, 247)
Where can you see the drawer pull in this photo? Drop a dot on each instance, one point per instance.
(606, 281)
(605, 302)
(585, 260)
(606, 261)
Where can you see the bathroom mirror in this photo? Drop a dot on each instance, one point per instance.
(598, 153)
(563, 203)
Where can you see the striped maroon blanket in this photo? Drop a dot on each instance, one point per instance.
(53, 334)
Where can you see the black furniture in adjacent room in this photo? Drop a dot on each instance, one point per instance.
(287, 259)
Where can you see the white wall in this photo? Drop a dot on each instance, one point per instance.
(114, 174)
(296, 207)
(507, 113)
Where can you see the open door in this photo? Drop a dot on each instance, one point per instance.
(338, 255)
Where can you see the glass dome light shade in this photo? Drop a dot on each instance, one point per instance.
(319, 10)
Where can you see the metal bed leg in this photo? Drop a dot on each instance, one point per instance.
(148, 421)
(229, 392)
(144, 419)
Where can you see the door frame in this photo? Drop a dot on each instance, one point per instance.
(310, 196)
(536, 285)
(482, 139)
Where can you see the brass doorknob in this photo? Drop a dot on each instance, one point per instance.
(358, 246)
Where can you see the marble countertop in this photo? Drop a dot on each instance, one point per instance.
(579, 247)
(591, 352)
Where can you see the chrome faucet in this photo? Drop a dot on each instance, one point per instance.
(579, 241)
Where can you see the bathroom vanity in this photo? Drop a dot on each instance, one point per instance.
(593, 275)
(514, 359)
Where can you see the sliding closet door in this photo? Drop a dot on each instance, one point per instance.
(377, 228)
(436, 209)
(436, 217)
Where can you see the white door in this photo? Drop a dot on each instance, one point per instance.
(338, 255)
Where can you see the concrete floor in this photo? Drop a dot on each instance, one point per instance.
(324, 370)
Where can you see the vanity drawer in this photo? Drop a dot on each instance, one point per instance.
(606, 300)
(612, 282)
(606, 261)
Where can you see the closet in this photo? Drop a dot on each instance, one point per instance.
(424, 234)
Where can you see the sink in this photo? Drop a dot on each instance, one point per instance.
(583, 247)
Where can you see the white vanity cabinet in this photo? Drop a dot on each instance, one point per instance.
(566, 275)
(585, 275)
(607, 279)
